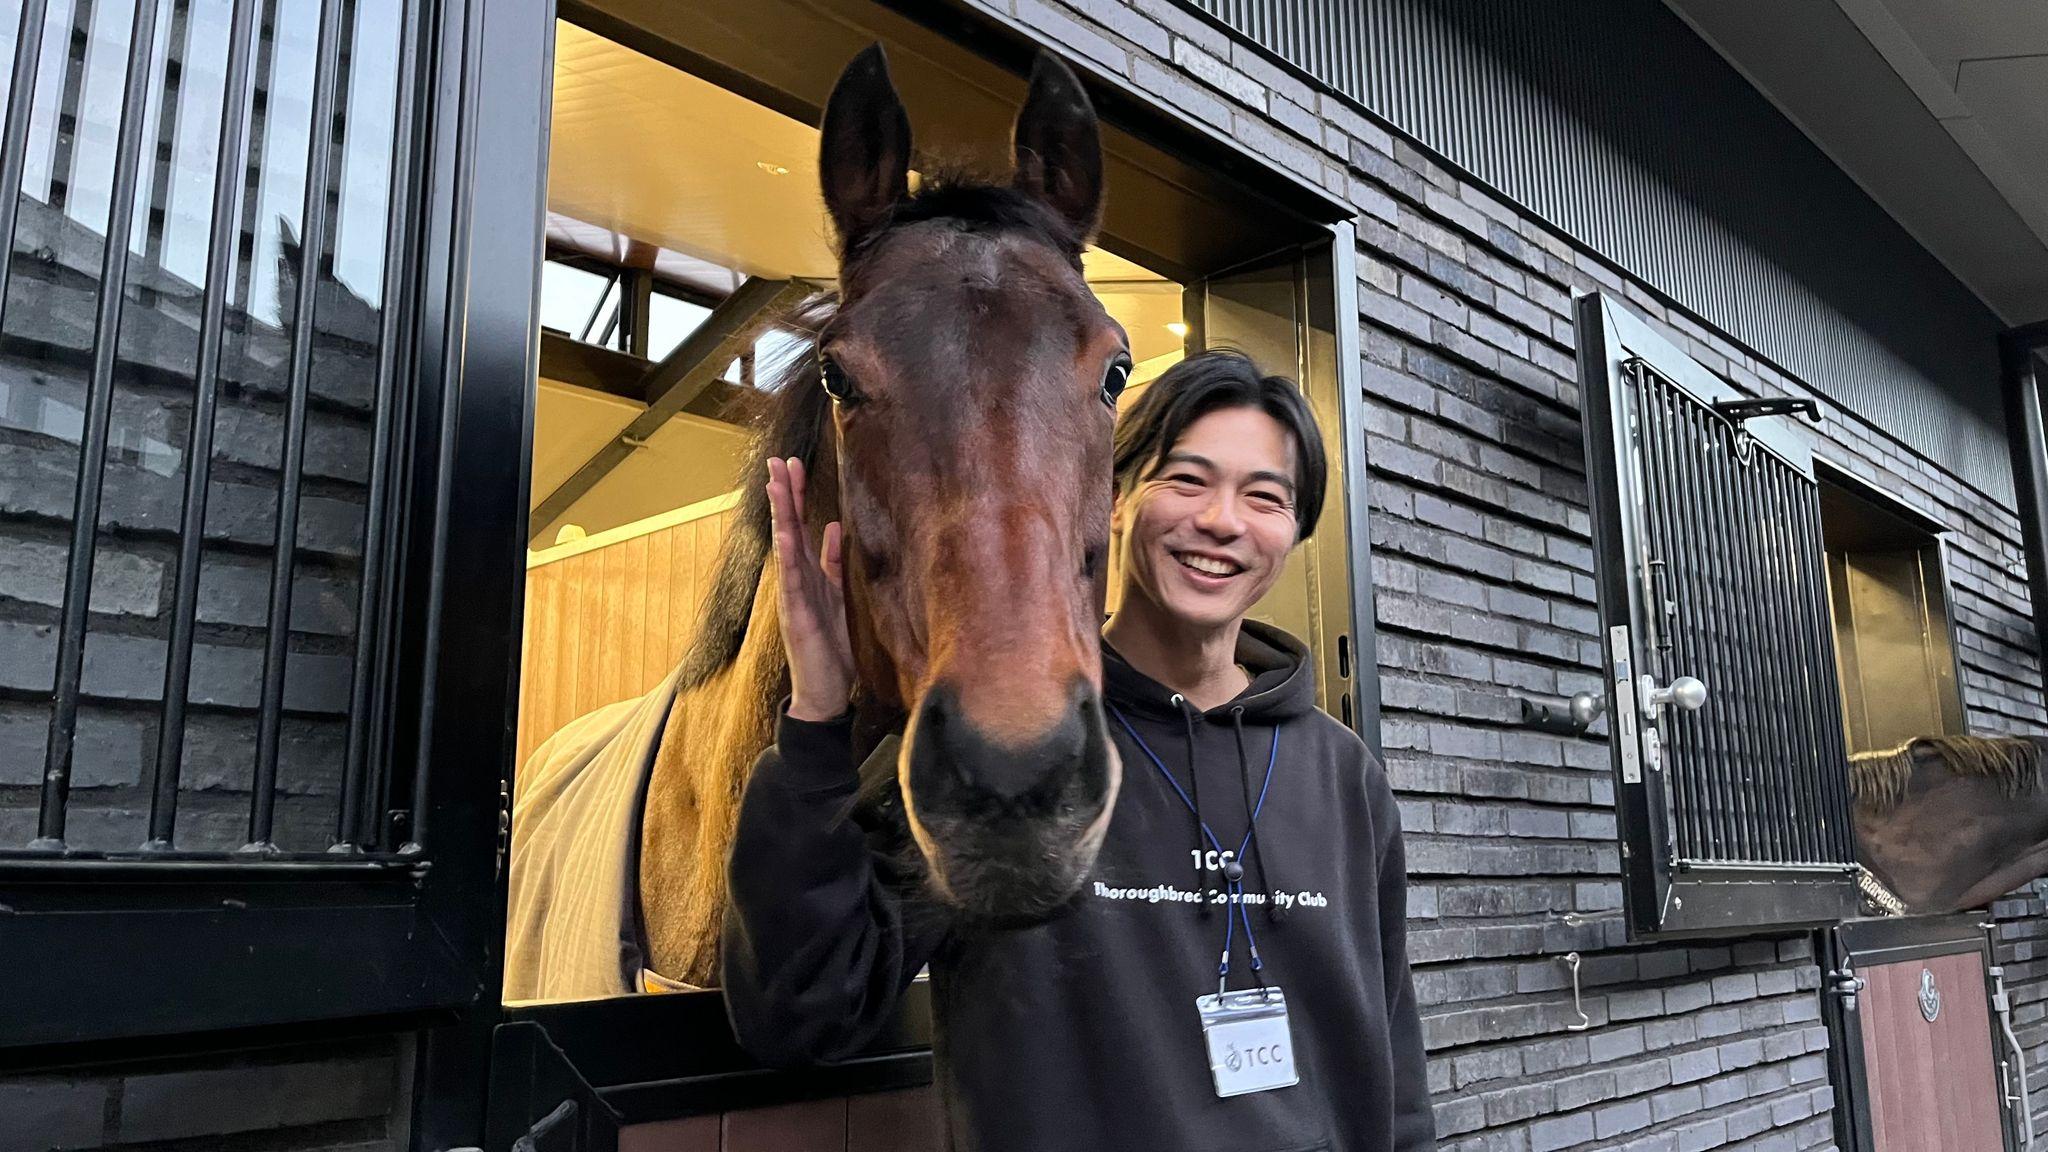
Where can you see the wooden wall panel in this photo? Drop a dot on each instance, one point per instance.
(608, 617)
(1932, 1086)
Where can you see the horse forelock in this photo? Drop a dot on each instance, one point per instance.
(795, 421)
(1879, 780)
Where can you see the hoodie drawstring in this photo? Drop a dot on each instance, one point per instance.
(1234, 885)
(1274, 913)
(1187, 716)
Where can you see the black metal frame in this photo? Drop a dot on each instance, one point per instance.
(188, 953)
(2023, 355)
(669, 1056)
(1665, 895)
(1858, 944)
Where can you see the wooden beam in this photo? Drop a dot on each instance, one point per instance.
(669, 387)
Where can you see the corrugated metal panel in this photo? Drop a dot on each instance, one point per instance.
(1613, 121)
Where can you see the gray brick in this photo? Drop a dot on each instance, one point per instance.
(1725, 1091)
(1615, 1045)
(1742, 1053)
(1740, 986)
(1583, 1089)
(1703, 1135)
(1809, 1068)
(52, 1113)
(1462, 1115)
(1687, 997)
(1218, 75)
(1513, 1105)
(1560, 1132)
(1749, 1121)
(1635, 1004)
(123, 583)
(1675, 1103)
(1697, 1065)
(1629, 1116)
(1720, 1022)
(1548, 1056)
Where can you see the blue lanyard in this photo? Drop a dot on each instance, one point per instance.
(1237, 910)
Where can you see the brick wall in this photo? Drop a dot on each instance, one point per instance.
(350, 1097)
(45, 370)
(1482, 569)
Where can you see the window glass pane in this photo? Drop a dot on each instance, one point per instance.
(569, 296)
(148, 399)
(670, 322)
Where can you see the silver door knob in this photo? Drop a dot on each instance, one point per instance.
(1687, 692)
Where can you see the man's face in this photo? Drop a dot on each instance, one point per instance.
(1208, 529)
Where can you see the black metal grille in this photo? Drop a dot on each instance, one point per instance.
(1733, 581)
(199, 347)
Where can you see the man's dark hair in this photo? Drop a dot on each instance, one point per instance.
(1211, 382)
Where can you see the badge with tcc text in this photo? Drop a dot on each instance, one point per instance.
(1250, 1046)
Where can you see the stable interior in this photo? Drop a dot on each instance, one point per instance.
(685, 230)
(1888, 596)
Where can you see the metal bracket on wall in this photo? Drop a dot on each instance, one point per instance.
(1571, 718)
(1740, 412)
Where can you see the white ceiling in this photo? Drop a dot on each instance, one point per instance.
(1938, 108)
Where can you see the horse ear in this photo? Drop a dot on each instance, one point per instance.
(1059, 147)
(864, 150)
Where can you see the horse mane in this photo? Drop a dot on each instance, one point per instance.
(1879, 779)
(794, 421)
(790, 423)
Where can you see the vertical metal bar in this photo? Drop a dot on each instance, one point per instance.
(1699, 608)
(1756, 779)
(1717, 461)
(229, 176)
(99, 403)
(1758, 650)
(21, 94)
(450, 371)
(1655, 447)
(284, 553)
(364, 688)
(1709, 521)
(1793, 492)
(1790, 648)
(1700, 739)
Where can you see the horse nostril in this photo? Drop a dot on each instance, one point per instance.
(952, 759)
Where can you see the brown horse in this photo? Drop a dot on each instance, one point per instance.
(1952, 822)
(955, 416)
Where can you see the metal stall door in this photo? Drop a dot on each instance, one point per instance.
(1919, 1056)
(1729, 757)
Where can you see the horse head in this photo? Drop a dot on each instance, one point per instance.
(973, 379)
(1952, 822)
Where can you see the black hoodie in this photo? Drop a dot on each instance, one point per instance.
(1081, 1033)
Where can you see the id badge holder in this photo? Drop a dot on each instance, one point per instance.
(1251, 1048)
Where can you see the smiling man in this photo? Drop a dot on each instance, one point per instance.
(1233, 976)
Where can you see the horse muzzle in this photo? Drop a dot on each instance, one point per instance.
(1009, 828)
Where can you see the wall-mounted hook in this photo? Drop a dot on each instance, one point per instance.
(1571, 960)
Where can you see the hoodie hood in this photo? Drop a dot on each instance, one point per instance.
(1283, 682)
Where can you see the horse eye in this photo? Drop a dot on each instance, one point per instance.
(1115, 377)
(836, 383)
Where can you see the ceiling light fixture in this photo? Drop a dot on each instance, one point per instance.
(1177, 328)
(771, 168)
